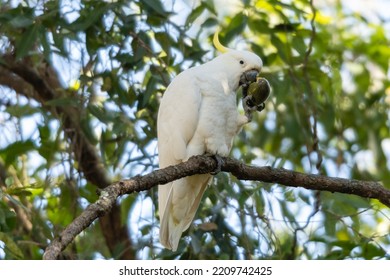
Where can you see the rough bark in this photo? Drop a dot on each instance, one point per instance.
(207, 164)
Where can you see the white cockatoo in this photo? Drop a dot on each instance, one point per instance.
(198, 115)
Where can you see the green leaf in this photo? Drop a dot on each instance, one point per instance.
(21, 21)
(19, 111)
(48, 147)
(139, 51)
(236, 26)
(26, 42)
(8, 220)
(14, 150)
(195, 13)
(259, 25)
(11, 247)
(17, 191)
(210, 22)
(330, 224)
(281, 47)
(101, 114)
(371, 251)
(155, 6)
(87, 19)
(210, 6)
(17, 18)
(299, 45)
(63, 102)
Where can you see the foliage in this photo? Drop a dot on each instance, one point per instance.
(328, 113)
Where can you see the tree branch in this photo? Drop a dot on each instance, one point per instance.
(206, 164)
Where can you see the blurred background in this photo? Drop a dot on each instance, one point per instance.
(80, 84)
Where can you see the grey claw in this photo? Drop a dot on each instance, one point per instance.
(219, 161)
(260, 107)
(244, 90)
(248, 107)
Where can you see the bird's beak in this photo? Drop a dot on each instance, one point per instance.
(248, 77)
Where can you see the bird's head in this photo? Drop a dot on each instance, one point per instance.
(243, 66)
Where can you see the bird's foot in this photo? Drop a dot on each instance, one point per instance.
(250, 107)
(245, 90)
(260, 107)
(219, 161)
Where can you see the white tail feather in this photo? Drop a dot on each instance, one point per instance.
(178, 208)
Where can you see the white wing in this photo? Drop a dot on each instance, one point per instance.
(177, 121)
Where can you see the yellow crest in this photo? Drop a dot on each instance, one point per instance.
(217, 43)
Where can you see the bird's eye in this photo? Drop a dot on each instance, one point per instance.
(241, 62)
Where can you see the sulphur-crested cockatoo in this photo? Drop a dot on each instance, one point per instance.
(198, 114)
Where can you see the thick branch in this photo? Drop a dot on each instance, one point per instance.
(206, 164)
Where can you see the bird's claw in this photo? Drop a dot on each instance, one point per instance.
(245, 90)
(260, 107)
(219, 161)
(250, 107)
